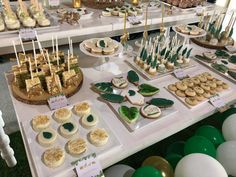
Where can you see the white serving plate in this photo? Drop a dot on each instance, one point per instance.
(188, 35)
(118, 51)
(141, 122)
(158, 74)
(223, 93)
(226, 75)
(37, 150)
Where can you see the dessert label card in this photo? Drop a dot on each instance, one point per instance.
(54, 3)
(180, 74)
(57, 101)
(89, 166)
(217, 102)
(27, 34)
(134, 20)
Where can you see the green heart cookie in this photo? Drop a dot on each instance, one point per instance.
(148, 90)
(130, 115)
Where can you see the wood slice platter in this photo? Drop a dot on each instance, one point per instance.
(206, 44)
(21, 94)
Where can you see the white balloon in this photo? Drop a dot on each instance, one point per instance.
(229, 128)
(119, 171)
(226, 155)
(199, 165)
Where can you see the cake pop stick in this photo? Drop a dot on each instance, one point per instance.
(22, 46)
(17, 59)
(49, 63)
(68, 61)
(53, 49)
(35, 60)
(30, 68)
(71, 43)
(57, 52)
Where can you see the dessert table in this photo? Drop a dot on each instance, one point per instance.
(98, 26)
(131, 142)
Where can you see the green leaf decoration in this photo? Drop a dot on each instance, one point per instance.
(161, 102)
(102, 43)
(167, 54)
(220, 67)
(184, 51)
(232, 59)
(149, 60)
(141, 53)
(133, 77)
(174, 58)
(130, 115)
(210, 27)
(222, 53)
(104, 87)
(189, 52)
(148, 90)
(179, 48)
(203, 58)
(154, 63)
(232, 74)
(145, 55)
(156, 49)
(231, 32)
(163, 51)
(114, 98)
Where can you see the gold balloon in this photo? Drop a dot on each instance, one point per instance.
(161, 164)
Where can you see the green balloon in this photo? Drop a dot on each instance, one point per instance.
(211, 133)
(199, 144)
(147, 171)
(176, 148)
(173, 159)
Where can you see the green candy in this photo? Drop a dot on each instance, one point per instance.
(232, 59)
(47, 135)
(114, 98)
(68, 126)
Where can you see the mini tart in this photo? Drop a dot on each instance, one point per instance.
(106, 13)
(53, 157)
(119, 82)
(189, 83)
(40, 122)
(218, 82)
(219, 88)
(190, 92)
(225, 85)
(68, 129)
(121, 13)
(207, 94)
(205, 86)
(199, 97)
(76, 147)
(212, 91)
(181, 86)
(202, 78)
(47, 137)
(115, 12)
(191, 101)
(194, 32)
(62, 115)
(82, 109)
(89, 120)
(150, 111)
(98, 137)
(108, 50)
(180, 93)
(212, 84)
(96, 50)
(88, 45)
(195, 80)
(208, 75)
(198, 90)
(172, 87)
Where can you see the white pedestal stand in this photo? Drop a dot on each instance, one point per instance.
(7, 152)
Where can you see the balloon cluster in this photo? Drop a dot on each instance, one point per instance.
(194, 158)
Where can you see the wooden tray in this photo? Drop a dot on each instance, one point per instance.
(22, 95)
(206, 44)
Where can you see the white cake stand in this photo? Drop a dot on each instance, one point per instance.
(188, 36)
(102, 63)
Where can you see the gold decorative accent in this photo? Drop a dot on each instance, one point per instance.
(76, 3)
(124, 38)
